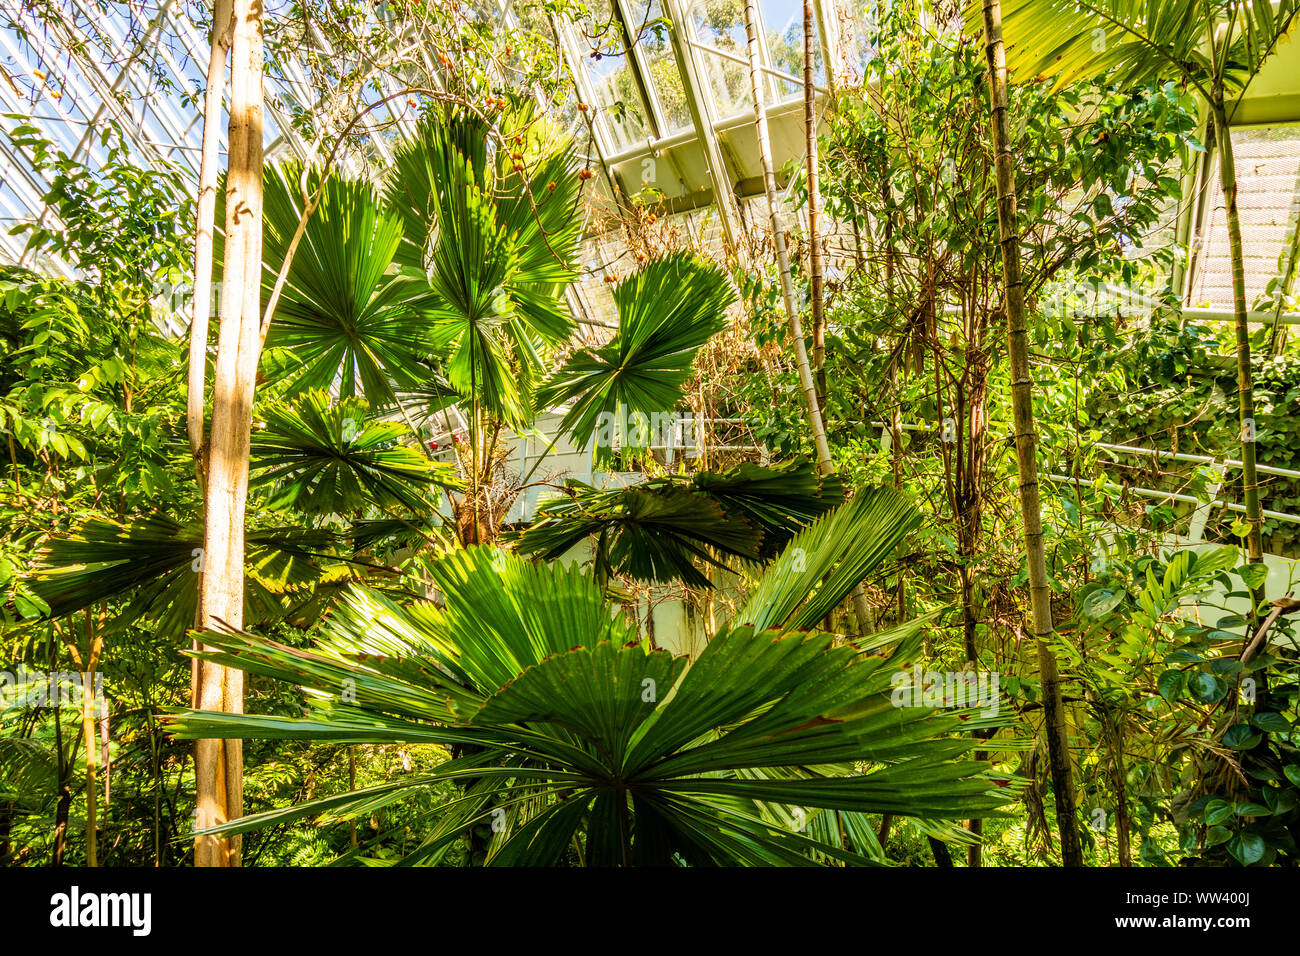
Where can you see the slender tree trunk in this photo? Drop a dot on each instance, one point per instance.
(352, 785)
(87, 669)
(203, 232)
(1040, 592)
(825, 464)
(895, 421)
(815, 266)
(1245, 387)
(218, 764)
(156, 785)
(105, 756)
(62, 771)
(63, 786)
(61, 811)
(1119, 783)
(6, 828)
(92, 776)
(968, 509)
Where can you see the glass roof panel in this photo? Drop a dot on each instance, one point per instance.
(661, 65)
(783, 26)
(720, 30)
(612, 78)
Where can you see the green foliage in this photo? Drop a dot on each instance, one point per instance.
(100, 537)
(1170, 385)
(322, 458)
(647, 534)
(1193, 711)
(344, 315)
(632, 756)
(656, 531)
(667, 310)
(488, 217)
(155, 561)
(1096, 169)
(1134, 42)
(468, 706)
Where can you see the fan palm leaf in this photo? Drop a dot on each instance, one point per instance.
(826, 560)
(657, 530)
(154, 560)
(651, 534)
(333, 458)
(352, 322)
(497, 240)
(639, 751)
(780, 499)
(575, 733)
(1135, 42)
(666, 311)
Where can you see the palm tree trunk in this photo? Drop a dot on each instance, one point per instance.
(1040, 592)
(825, 464)
(1245, 387)
(218, 764)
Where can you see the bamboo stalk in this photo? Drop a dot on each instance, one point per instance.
(1245, 385)
(1040, 592)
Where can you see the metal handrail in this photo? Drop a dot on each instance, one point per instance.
(1200, 515)
(1176, 496)
(1198, 459)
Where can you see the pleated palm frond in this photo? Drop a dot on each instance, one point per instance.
(780, 499)
(658, 530)
(333, 458)
(497, 239)
(29, 770)
(426, 405)
(1135, 42)
(378, 535)
(829, 558)
(350, 319)
(667, 311)
(650, 534)
(570, 734)
(154, 562)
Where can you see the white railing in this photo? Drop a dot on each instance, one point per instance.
(1200, 515)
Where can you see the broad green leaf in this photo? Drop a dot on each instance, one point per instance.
(667, 310)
